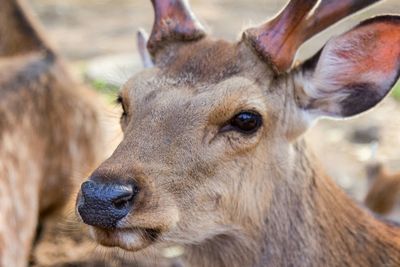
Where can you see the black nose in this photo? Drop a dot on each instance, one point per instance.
(103, 205)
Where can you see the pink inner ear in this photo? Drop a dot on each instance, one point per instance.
(372, 49)
(357, 69)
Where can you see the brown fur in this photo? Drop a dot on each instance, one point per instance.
(384, 190)
(49, 132)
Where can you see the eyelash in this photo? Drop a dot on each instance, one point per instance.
(120, 101)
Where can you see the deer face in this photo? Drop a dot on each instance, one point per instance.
(209, 130)
(195, 134)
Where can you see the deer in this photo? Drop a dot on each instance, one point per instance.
(49, 131)
(213, 157)
(384, 191)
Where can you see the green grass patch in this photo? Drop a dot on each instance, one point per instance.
(396, 91)
(108, 90)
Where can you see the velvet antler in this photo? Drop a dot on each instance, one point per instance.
(279, 39)
(174, 21)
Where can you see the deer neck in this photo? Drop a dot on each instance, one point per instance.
(314, 223)
(310, 222)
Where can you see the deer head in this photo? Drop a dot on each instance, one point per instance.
(210, 130)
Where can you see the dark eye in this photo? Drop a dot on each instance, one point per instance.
(246, 122)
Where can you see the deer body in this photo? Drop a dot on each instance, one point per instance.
(384, 191)
(49, 132)
(212, 157)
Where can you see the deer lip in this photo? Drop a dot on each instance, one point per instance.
(132, 239)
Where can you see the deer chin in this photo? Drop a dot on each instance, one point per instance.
(131, 239)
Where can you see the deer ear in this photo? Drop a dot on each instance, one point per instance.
(354, 71)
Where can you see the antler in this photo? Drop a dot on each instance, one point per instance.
(278, 40)
(174, 21)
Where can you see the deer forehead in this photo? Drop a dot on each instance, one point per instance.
(209, 61)
(212, 70)
(156, 95)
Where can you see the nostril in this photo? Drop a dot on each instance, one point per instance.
(122, 203)
(124, 200)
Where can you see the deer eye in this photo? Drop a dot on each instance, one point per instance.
(246, 122)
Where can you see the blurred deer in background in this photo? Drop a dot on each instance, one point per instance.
(49, 131)
(213, 159)
(384, 192)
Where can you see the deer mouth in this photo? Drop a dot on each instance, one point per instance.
(132, 239)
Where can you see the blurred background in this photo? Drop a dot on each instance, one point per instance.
(98, 39)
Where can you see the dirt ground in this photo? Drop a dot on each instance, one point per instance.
(87, 31)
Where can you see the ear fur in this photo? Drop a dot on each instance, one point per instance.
(142, 39)
(353, 72)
